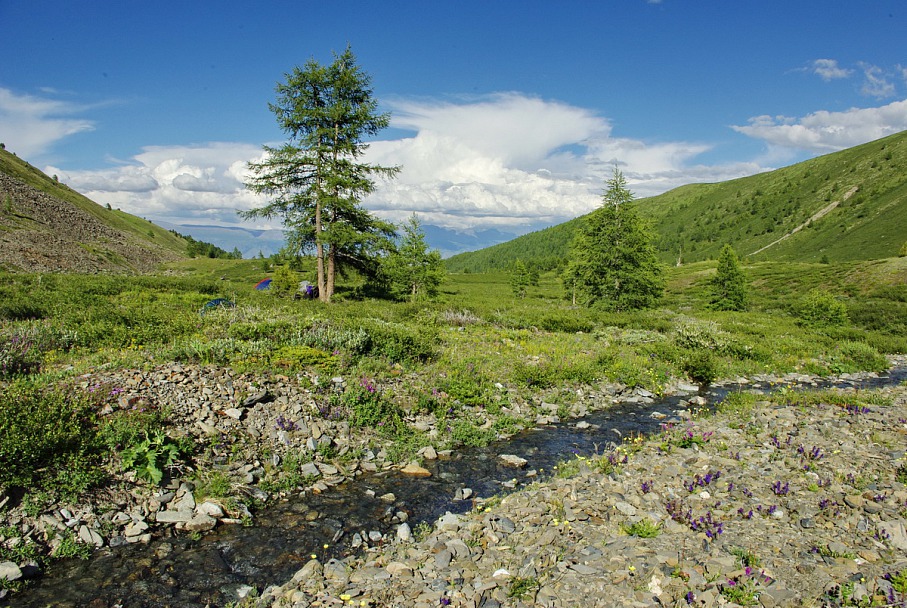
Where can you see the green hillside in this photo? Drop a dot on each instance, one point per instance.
(139, 229)
(849, 205)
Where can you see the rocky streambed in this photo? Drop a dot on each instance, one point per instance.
(779, 505)
(377, 540)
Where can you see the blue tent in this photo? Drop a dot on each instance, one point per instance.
(263, 284)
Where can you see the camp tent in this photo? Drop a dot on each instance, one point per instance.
(263, 284)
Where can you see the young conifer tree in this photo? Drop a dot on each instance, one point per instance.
(729, 286)
(612, 259)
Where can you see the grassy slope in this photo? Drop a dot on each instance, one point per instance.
(752, 212)
(139, 229)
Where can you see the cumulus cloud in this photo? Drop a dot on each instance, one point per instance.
(828, 69)
(826, 131)
(30, 125)
(177, 184)
(512, 160)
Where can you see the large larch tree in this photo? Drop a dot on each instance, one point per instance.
(317, 179)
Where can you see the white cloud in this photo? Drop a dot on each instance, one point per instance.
(30, 125)
(512, 160)
(505, 161)
(876, 84)
(826, 131)
(177, 184)
(828, 69)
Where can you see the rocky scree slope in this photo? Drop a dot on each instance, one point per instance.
(41, 233)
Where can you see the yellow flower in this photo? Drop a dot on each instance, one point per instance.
(326, 545)
(345, 596)
(632, 568)
(313, 556)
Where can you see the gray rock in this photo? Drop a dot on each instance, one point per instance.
(173, 517)
(9, 571)
(200, 522)
(404, 532)
(90, 536)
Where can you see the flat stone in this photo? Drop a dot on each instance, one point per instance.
(625, 508)
(234, 413)
(415, 470)
(511, 460)
(398, 569)
(200, 523)
(310, 469)
(173, 517)
(210, 508)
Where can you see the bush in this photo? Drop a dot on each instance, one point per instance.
(299, 357)
(43, 432)
(858, 356)
(285, 282)
(821, 309)
(400, 343)
(368, 408)
(700, 366)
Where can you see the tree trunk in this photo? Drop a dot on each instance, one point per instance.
(329, 287)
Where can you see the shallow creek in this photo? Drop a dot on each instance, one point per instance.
(178, 571)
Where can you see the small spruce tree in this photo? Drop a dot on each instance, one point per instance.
(519, 279)
(729, 287)
(613, 263)
(413, 270)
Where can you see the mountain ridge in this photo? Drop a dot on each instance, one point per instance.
(769, 216)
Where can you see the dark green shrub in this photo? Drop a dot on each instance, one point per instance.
(700, 366)
(285, 281)
(729, 286)
(21, 311)
(567, 321)
(400, 343)
(42, 432)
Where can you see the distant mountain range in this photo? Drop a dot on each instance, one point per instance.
(251, 242)
(848, 205)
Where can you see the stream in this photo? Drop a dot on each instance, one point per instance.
(217, 568)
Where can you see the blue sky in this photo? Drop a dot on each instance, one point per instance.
(506, 116)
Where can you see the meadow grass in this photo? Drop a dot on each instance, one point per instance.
(468, 354)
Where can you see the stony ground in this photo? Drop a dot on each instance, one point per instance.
(780, 505)
(809, 498)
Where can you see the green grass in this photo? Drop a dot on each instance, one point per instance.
(468, 357)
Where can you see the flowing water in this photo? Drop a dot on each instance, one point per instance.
(178, 571)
